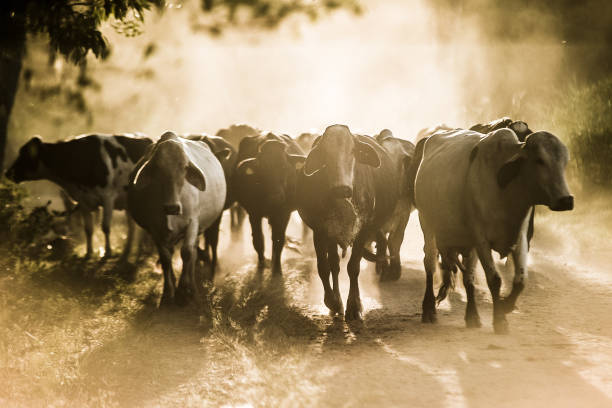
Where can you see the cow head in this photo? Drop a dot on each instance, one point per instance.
(274, 170)
(539, 164)
(168, 167)
(337, 151)
(521, 129)
(27, 166)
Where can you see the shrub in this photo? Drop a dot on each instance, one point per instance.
(586, 118)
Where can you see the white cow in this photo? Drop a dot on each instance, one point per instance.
(177, 191)
(474, 193)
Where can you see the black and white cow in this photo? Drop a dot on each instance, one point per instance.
(177, 191)
(93, 169)
(346, 193)
(265, 187)
(474, 193)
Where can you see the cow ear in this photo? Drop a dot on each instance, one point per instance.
(509, 170)
(365, 154)
(297, 161)
(314, 162)
(246, 166)
(34, 146)
(167, 136)
(195, 176)
(224, 154)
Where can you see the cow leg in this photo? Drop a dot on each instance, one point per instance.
(279, 227)
(165, 258)
(396, 237)
(500, 325)
(320, 240)
(130, 237)
(381, 254)
(107, 217)
(187, 287)
(354, 308)
(211, 239)
(519, 258)
(88, 224)
(472, 319)
(429, 261)
(334, 265)
(448, 282)
(258, 240)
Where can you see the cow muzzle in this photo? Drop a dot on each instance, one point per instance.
(563, 204)
(341, 192)
(172, 209)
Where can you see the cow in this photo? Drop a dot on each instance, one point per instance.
(176, 191)
(346, 193)
(92, 169)
(234, 135)
(305, 140)
(227, 156)
(265, 187)
(520, 128)
(474, 193)
(392, 234)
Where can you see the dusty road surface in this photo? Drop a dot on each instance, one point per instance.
(87, 338)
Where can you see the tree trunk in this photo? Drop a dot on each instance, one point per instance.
(12, 47)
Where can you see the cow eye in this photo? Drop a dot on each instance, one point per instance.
(540, 161)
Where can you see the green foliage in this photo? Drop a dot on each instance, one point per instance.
(586, 118)
(269, 13)
(11, 208)
(23, 229)
(72, 25)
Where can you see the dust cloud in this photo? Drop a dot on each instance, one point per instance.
(85, 333)
(400, 65)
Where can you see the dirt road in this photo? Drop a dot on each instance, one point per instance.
(273, 343)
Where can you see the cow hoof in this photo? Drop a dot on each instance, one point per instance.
(501, 326)
(472, 322)
(429, 316)
(354, 310)
(263, 264)
(353, 315)
(392, 273)
(507, 306)
(166, 301)
(182, 297)
(334, 304)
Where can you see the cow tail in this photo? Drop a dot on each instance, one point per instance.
(414, 168)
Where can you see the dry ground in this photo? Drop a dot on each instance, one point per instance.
(89, 333)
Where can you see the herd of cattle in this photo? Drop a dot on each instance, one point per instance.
(475, 191)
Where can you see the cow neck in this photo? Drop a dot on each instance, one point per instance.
(515, 199)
